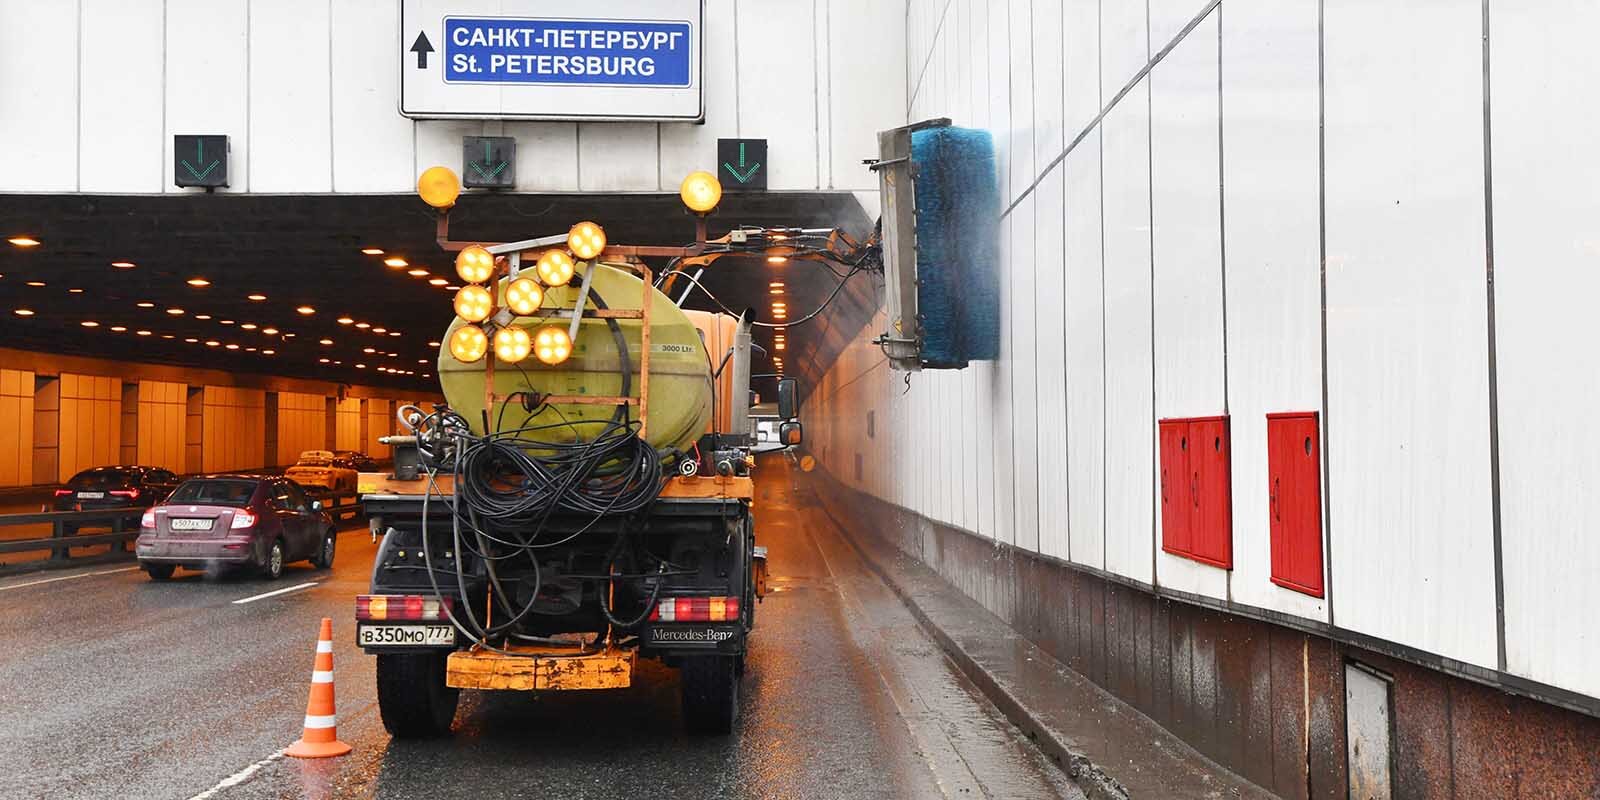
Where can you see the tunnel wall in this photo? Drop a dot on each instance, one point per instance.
(1244, 208)
(325, 120)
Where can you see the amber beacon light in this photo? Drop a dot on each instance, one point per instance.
(701, 192)
(474, 264)
(469, 343)
(439, 187)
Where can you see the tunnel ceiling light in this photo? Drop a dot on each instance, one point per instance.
(555, 268)
(74, 290)
(524, 296)
(552, 344)
(422, 361)
(586, 240)
(322, 361)
(119, 329)
(288, 336)
(223, 321)
(372, 251)
(232, 346)
(417, 273)
(700, 191)
(777, 259)
(249, 349)
(777, 346)
(380, 330)
(145, 304)
(394, 333)
(269, 352)
(369, 350)
(438, 187)
(35, 283)
(213, 343)
(437, 281)
(142, 332)
(168, 336)
(255, 298)
(475, 264)
(474, 303)
(775, 285)
(23, 312)
(175, 311)
(192, 340)
(468, 344)
(775, 291)
(450, 287)
(344, 320)
(325, 341)
(512, 344)
(24, 241)
(249, 326)
(202, 316)
(270, 331)
(197, 282)
(361, 366)
(363, 325)
(305, 310)
(123, 264)
(433, 344)
(396, 262)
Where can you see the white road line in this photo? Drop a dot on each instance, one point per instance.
(239, 777)
(67, 578)
(274, 593)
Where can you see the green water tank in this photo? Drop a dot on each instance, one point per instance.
(680, 372)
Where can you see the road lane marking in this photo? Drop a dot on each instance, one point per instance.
(274, 593)
(67, 578)
(239, 777)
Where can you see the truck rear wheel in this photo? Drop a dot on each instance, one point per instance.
(413, 699)
(710, 694)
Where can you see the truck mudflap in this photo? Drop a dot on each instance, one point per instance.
(525, 668)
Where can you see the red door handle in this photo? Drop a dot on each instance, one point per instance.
(1194, 488)
(1277, 515)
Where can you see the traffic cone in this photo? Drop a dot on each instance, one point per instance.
(321, 737)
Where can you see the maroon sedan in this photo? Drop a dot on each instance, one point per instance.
(249, 521)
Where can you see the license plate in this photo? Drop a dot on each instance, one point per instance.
(183, 524)
(401, 635)
(91, 495)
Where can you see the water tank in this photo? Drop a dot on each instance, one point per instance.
(680, 373)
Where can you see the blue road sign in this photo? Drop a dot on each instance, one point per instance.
(567, 52)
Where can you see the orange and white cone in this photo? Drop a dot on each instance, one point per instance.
(321, 737)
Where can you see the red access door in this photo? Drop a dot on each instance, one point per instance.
(1294, 486)
(1196, 496)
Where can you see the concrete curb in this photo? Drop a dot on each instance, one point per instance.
(1090, 777)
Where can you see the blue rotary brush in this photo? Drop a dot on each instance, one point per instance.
(958, 244)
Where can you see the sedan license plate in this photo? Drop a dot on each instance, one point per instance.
(189, 524)
(402, 635)
(91, 495)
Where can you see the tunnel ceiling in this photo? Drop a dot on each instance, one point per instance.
(306, 251)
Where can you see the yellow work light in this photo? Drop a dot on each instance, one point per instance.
(523, 296)
(700, 191)
(469, 343)
(586, 240)
(474, 264)
(552, 345)
(512, 344)
(555, 267)
(473, 303)
(439, 187)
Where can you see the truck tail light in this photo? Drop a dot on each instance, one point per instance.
(696, 609)
(243, 519)
(131, 494)
(403, 607)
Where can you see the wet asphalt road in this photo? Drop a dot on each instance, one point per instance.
(114, 686)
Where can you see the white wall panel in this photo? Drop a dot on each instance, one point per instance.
(619, 157)
(1085, 343)
(39, 95)
(1023, 316)
(1130, 418)
(1187, 255)
(547, 155)
(1080, 52)
(120, 149)
(1050, 364)
(1167, 18)
(438, 141)
(1124, 44)
(687, 147)
(206, 89)
(777, 86)
(1408, 414)
(1547, 274)
(372, 143)
(290, 114)
(1270, 187)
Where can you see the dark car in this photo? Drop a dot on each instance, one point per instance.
(358, 461)
(115, 487)
(259, 522)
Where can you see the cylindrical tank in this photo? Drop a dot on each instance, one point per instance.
(680, 373)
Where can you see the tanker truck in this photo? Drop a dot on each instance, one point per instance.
(582, 499)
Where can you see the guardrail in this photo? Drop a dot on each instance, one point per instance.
(124, 524)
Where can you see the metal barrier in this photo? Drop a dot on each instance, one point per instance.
(339, 506)
(124, 523)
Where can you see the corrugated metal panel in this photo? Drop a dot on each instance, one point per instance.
(1086, 368)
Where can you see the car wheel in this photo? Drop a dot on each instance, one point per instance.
(324, 557)
(160, 572)
(413, 700)
(273, 568)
